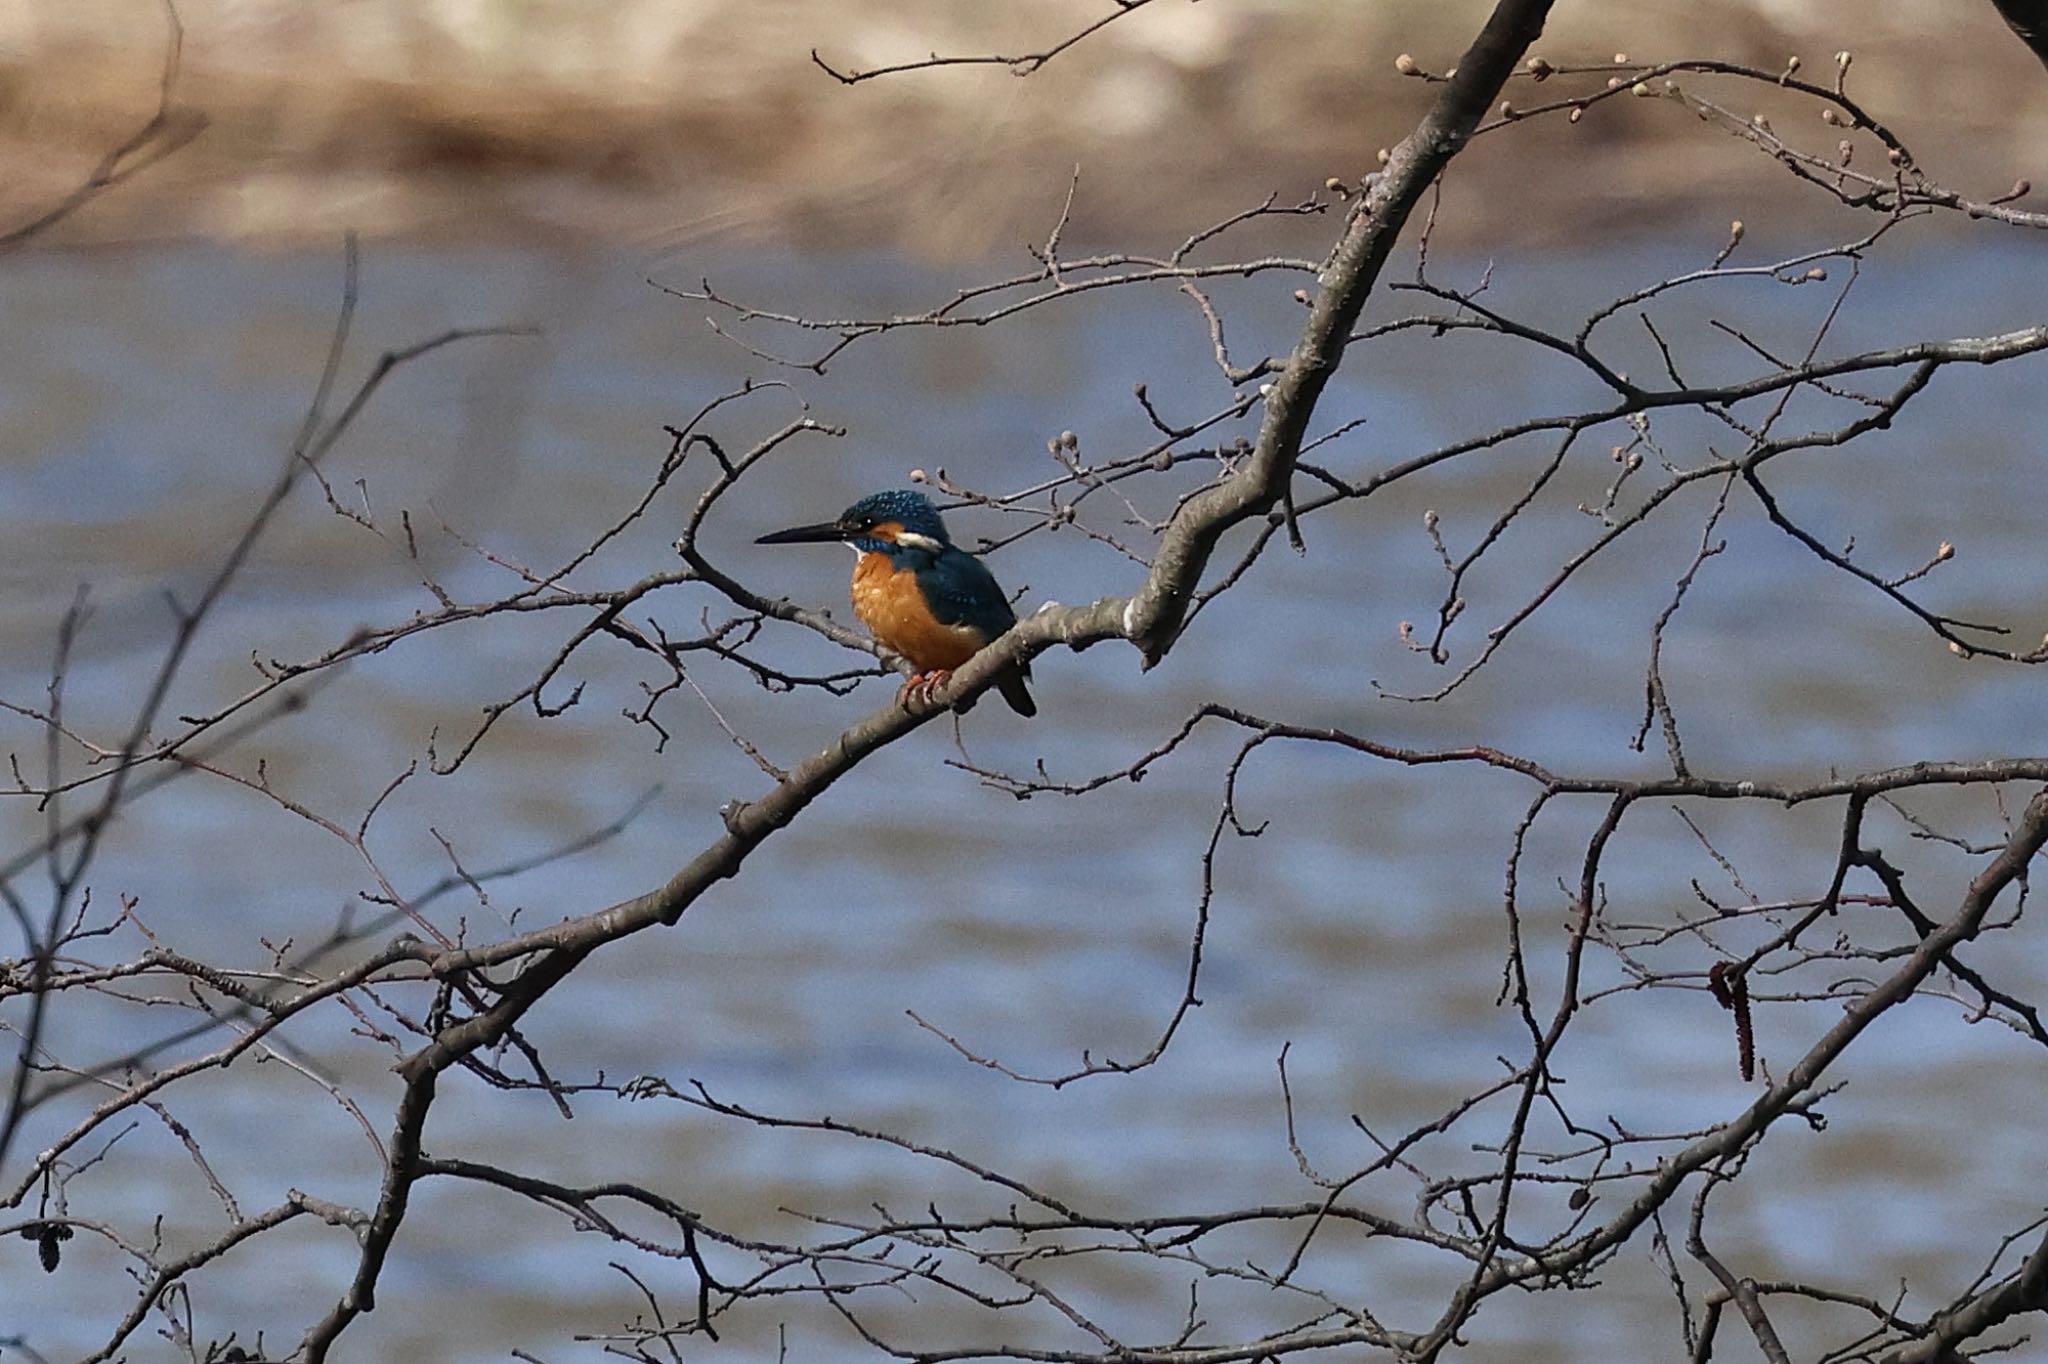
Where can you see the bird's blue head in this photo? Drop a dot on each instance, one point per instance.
(881, 520)
(880, 523)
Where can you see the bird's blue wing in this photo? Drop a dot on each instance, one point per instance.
(962, 592)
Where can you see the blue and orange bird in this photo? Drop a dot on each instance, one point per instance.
(918, 593)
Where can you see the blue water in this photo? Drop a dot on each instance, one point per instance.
(146, 399)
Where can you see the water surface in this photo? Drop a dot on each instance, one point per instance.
(146, 398)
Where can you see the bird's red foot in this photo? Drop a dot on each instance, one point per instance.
(918, 690)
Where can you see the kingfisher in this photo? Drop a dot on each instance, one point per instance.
(918, 593)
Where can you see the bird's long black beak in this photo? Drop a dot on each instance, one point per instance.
(804, 535)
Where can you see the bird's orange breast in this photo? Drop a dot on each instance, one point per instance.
(888, 601)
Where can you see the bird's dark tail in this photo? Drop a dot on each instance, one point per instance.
(1011, 685)
(2029, 19)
